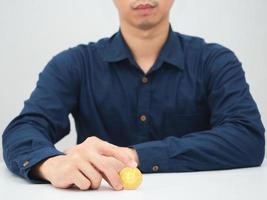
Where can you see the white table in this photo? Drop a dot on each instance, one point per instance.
(249, 183)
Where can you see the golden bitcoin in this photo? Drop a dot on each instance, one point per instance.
(131, 178)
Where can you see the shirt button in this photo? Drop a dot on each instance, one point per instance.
(26, 163)
(143, 118)
(155, 168)
(144, 80)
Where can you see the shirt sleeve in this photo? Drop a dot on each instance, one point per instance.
(43, 121)
(236, 138)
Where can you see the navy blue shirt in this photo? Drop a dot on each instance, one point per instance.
(192, 110)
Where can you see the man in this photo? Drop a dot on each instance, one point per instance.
(147, 97)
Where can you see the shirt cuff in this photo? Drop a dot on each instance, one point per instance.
(28, 161)
(153, 156)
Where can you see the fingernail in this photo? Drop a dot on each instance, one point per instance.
(119, 187)
(133, 163)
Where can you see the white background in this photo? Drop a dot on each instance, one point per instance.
(32, 31)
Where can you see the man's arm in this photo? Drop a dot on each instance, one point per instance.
(236, 138)
(28, 141)
(31, 136)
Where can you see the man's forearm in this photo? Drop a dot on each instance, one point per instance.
(220, 148)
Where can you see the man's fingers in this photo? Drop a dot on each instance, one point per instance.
(108, 172)
(81, 181)
(113, 178)
(117, 152)
(108, 181)
(91, 173)
(108, 149)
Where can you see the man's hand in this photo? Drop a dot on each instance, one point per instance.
(85, 165)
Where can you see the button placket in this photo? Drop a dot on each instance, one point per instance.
(144, 99)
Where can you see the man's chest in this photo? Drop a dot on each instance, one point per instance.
(164, 103)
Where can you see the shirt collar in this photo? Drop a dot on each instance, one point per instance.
(117, 49)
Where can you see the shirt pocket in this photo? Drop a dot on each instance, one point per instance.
(179, 125)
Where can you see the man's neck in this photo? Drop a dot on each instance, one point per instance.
(145, 45)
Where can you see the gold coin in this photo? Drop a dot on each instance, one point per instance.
(131, 178)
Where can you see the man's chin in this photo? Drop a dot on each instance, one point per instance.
(146, 25)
